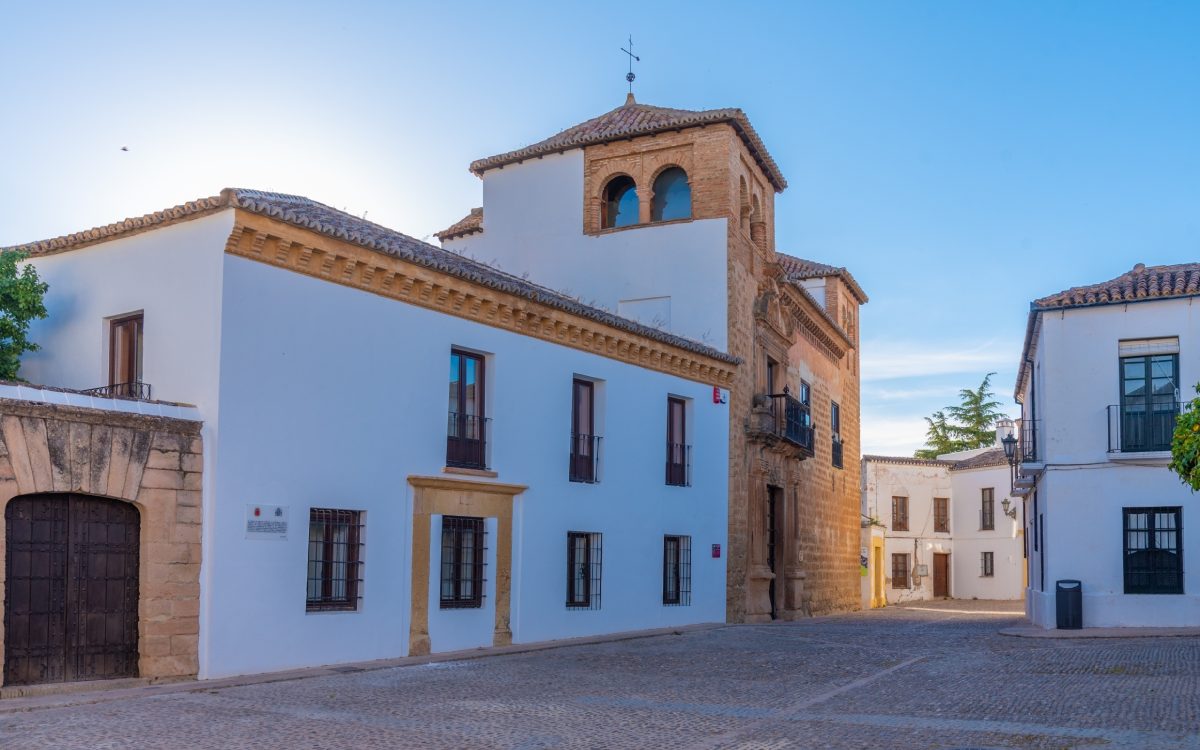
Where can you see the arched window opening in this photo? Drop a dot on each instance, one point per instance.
(672, 196)
(620, 207)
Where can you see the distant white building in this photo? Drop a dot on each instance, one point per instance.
(950, 529)
(1099, 385)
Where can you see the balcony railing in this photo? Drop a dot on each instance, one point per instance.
(837, 452)
(585, 458)
(679, 464)
(1027, 445)
(789, 419)
(1142, 427)
(466, 440)
(136, 390)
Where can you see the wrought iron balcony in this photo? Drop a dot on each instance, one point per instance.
(1028, 445)
(837, 452)
(466, 440)
(1142, 427)
(782, 416)
(136, 390)
(585, 458)
(679, 464)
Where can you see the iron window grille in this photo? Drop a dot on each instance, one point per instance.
(335, 568)
(941, 514)
(987, 564)
(463, 562)
(900, 571)
(585, 559)
(677, 570)
(1153, 557)
(987, 509)
(899, 514)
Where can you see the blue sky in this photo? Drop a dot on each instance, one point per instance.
(960, 158)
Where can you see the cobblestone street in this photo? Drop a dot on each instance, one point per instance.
(934, 676)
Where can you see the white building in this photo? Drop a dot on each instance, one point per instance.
(529, 496)
(950, 530)
(1100, 385)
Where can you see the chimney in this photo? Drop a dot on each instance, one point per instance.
(1004, 428)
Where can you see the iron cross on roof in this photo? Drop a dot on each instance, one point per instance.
(630, 75)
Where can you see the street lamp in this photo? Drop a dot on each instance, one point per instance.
(1009, 442)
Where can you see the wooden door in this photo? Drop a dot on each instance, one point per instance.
(71, 594)
(941, 576)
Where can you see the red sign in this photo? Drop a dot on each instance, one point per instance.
(716, 552)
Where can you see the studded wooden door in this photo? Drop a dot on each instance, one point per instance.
(71, 594)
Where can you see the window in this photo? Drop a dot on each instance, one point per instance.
(678, 451)
(584, 560)
(899, 571)
(672, 196)
(466, 437)
(806, 400)
(987, 564)
(987, 509)
(584, 442)
(1153, 550)
(1148, 402)
(677, 570)
(899, 514)
(620, 207)
(462, 562)
(835, 425)
(941, 514)
(334, 559)
(125, 357)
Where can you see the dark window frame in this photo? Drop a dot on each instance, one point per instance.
(135, 356)
(987, 509)
(587, 595)
(585, 445)
(899, 513)
(900, 577)
(1169, 576)
(835, 426)
(466, 438)
(335, 593)
(458, 527)
(1152, 423)
(941, 515)
(677, 570)
(678, 468)
(987, 564)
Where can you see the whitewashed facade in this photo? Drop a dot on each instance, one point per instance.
(1104, 368)
(318, 391)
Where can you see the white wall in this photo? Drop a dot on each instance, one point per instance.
(332, 397)
(533, 224)
(1084, 488)
(970, 541)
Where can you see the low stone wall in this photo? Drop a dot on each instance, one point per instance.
(152, 462)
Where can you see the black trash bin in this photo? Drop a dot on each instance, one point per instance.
(1068, 600)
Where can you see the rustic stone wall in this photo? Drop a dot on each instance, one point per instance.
(154, 463)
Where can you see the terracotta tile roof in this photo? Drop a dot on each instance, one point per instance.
(1139, 283)
(907, 460)
(469, 224)
(1142, 283)
(632, 119)
(990, 457)
(309, 214)
(799, 268)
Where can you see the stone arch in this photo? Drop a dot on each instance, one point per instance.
(743, 205)
(152, 463)
(621, 189)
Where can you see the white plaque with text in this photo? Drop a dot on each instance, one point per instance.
(266, 521)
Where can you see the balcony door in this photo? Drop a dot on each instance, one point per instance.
(125, 355)
(467, 429)
(583, 431)
(1149, 396)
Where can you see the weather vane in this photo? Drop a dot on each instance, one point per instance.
(630, 75)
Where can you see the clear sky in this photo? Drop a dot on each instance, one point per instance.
(960, 158)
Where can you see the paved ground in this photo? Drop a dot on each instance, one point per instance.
(935, 677)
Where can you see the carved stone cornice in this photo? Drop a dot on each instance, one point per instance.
(277, 243)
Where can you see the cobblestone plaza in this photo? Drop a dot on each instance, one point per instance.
(937, 676)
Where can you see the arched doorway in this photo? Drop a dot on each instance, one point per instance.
(71, 589)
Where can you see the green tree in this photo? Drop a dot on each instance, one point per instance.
(969, 424)
(21, 300)
(1185, 444)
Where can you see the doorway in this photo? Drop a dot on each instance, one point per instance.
(941, 576)
(72, 589)
(772, 516)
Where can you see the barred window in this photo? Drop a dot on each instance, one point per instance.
(987, 509)
(677, 570)
(462, 562)
(987, 564)
(584, 560)
(941, 514)
(334, 559)
(1153, 550)
(899, 514)
(899, 571)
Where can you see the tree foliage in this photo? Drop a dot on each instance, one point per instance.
(1185, 444)
(967, 425)
(21, 300)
